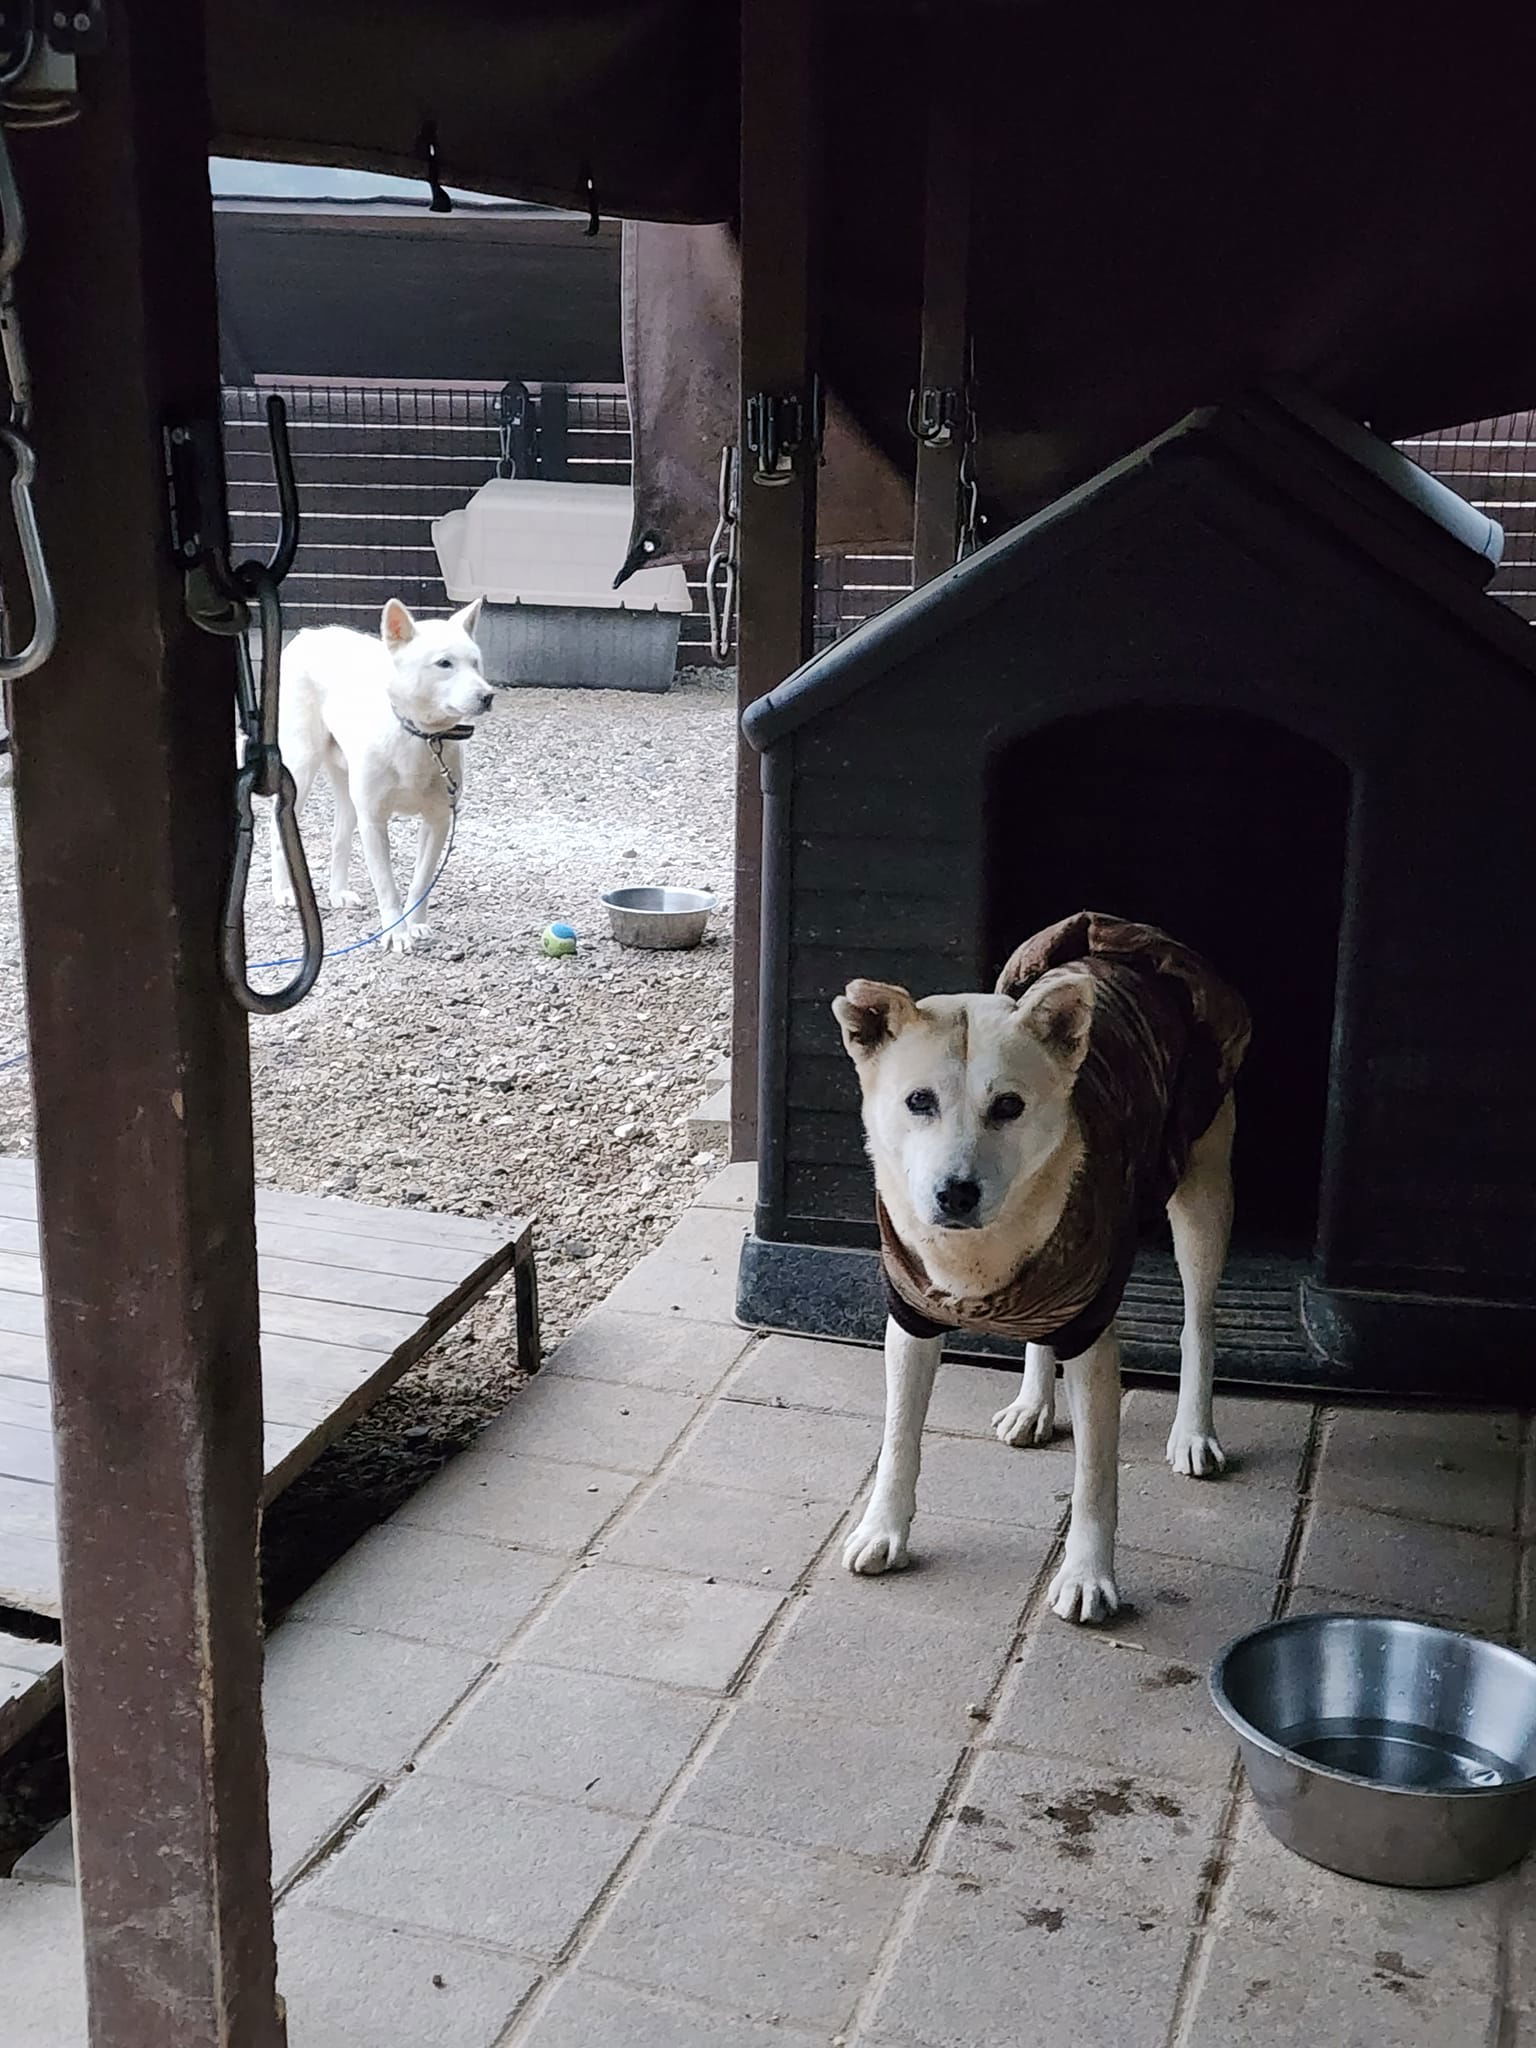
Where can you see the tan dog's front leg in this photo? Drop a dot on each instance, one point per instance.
(879, 1543)
(1084, 1589)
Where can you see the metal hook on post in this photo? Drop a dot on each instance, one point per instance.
(721, 571)
(16, 431)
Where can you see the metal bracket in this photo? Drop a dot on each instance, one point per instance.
(780, 428)
(933, 415)
(76, 25)
(194, 481)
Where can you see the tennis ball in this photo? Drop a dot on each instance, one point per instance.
(558, 940)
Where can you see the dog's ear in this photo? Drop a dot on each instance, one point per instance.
(469, 618)
(871, 1013)
(397, 626)
(1058, 1009)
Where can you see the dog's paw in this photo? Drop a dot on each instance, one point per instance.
(397, 941)
(1195, 1454)
(1026, 1422)
(283, 897)
(1084, 1592)
(417, 929)
(346, 899)
(879, 1544)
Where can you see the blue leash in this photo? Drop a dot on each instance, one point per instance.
(19, 1059)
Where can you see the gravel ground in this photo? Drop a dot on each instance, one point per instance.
(477, 1075)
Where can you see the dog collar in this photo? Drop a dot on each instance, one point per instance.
(419, 732)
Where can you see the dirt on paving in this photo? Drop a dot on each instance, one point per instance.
(479, 1076)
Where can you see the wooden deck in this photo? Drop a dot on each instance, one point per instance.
(351, 1296)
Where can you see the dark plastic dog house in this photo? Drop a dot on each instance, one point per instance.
(1246, 685)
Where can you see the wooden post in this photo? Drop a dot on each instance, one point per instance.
(946, 263)
(124, 761)
(554, 422)
(780, 147)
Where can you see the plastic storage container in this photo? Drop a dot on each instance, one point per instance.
(543, 555)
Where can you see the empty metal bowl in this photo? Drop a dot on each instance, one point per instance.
(1387, 1750)
(663, 920)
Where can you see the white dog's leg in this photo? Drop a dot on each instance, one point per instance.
(879, 1543)
(1031, 1418)
(374, 834)
(1084, 1588)
(1201, 1215)
(431, 838)
(342, 897)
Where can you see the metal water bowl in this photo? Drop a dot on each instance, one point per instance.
(662, 920)
(1387, 1750)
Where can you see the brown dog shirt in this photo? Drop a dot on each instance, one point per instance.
(1165, 1040)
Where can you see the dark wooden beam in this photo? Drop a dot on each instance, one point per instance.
(124, 764)
(946, 266)
(780, 96)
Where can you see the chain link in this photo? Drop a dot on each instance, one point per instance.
(721, 572)
(970, 495)
(15, 434)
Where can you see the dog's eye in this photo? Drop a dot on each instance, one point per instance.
(923, 1102)
(1006, 1108)
(444, 661)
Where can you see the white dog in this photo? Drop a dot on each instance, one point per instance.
(383, 718)
(1019, 1142)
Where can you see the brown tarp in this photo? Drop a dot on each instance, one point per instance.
(1169, 203)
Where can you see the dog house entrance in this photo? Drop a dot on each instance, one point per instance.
(1230, 833)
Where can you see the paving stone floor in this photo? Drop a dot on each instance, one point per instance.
(596, 1746)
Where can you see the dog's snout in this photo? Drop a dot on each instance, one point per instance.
(958, 1199)
(483, 703)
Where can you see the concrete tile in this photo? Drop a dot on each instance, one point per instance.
(1257, 1996)
(722, 1532)
(643, 1625)
(443, 1858)
(800, 1372)
(519, 1501)
(870, 1660)
(40, 1964)
(762, 1930)
(351, 1981)
(991, 1482)
(965, 1571)
(309, 1804)
(610, 1743)
(589, 1422)
(51, 1859)
(1205, 1519)
(1446, 1574)
(1436, 1939)
(849, 1379)
(1522, 1938)
(343, 1696)
(692, 1274)
(979, 1969)
(1263, 1439)
(590, 2012)
(1041, 1828)
(664, 1352)
(779, 1450)
(435, 1587)
(735, 1189)
(1431, 1466)
(821, 1783)
(1133, 1694)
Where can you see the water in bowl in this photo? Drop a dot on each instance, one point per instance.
(1400, 1754)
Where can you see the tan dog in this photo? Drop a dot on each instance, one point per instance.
(1016, 1141)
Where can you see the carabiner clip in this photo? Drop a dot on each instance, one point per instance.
(263, 1002)
(45, 613)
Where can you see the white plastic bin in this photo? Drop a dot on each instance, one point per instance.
(543, 555)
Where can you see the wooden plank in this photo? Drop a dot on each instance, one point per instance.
(140, 1077)
(26, 1452)
(779, 193)
(31, 1685)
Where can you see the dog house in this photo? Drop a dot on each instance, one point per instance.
(1246, 685)
(545, 555)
